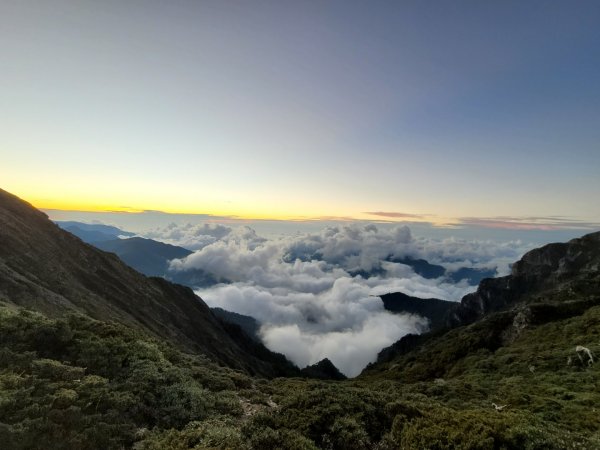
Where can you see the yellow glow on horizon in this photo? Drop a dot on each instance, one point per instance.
(263, 213)
(243, 206)
(241, 215)
(248, 213)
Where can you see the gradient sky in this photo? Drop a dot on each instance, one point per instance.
(287, 109)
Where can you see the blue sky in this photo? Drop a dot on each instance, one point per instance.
(450, 110)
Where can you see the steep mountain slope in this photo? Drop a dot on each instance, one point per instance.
(554, 272)
(152, 258)
(250, 325)
(49, 270)
(145, 255)
(550, 284)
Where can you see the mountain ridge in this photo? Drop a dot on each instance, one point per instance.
(92, 232)
(45, 268)
(433, 309)
(147, 256)
(540, 269)
(548, 284)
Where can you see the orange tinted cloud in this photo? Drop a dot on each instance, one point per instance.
(549, 223)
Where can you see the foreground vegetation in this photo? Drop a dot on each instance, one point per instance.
(77, 383)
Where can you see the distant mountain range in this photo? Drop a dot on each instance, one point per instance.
(433, 309)
(145, 255)
(93, 232)
(430, 271)
(152, 257)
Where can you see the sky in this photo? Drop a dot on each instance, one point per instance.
(464, 113)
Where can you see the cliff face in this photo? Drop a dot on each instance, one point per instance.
(562, 271)
(550, 284)
(556, 262)
(45, 268)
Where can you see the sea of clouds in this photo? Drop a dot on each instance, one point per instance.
(316, 294)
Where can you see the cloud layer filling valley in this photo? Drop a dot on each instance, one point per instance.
(315, 294)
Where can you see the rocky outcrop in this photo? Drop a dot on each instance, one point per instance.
(557, 262)
(553, 283)
(560, 271)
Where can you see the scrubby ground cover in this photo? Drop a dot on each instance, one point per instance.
(77, 383)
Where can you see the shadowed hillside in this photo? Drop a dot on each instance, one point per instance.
(47, 269)
(145, 255)
(553, 273)
(433, 309)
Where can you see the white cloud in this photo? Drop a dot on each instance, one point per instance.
(349, 349)
(342, 322)
(316, 293)
(190, 236)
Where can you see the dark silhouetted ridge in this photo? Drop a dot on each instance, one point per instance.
(145, 255)
(558, 270)
(554, 284)
(433, 309)
(324, 370)
(92, 232)
(47, 269)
